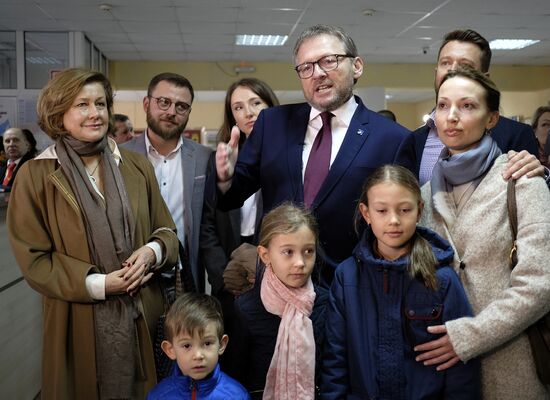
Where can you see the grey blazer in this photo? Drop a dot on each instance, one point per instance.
(194, 161)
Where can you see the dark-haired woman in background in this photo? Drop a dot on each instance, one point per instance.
(222, 232)
(541, 126)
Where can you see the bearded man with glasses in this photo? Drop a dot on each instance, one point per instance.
(317, 153)
(180, 163)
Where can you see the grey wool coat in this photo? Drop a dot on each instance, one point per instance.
(505, 302)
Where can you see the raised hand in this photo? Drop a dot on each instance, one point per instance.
(226, 156)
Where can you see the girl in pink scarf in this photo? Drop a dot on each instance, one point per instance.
(288, 241)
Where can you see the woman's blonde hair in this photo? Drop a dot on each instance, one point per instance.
(423, 263)
(59, 93)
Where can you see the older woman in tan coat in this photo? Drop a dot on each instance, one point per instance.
(91, 232)
(466, 202)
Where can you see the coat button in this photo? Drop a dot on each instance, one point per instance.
(411, 313)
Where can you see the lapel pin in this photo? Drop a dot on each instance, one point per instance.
(360, 132)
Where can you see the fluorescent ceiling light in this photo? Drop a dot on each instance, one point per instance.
(511, 44)
(260, 40)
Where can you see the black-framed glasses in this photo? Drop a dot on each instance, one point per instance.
(326, 63)
(164, 103)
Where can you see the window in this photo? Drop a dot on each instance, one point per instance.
(45, 54)
(8, 61)
(87, 53)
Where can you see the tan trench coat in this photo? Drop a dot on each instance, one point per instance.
(48, 239)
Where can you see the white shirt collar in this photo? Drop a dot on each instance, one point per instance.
(14, 161)
(50, 152)
(151, 149)
(344, 113)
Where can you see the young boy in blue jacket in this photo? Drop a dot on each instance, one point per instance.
(195, 340)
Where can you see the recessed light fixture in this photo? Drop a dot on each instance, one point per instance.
(260, 40)
(511, 44)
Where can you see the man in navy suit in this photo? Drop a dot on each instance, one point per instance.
(275, 156)
(469, 48)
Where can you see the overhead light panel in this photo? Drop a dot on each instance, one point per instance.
(511, 44)
(260, 40)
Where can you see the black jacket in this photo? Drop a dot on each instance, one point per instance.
(255, 336)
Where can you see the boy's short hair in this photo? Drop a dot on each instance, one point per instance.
(190, 313)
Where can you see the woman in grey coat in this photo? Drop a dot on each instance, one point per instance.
(466, 202)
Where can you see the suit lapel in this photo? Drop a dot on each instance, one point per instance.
(61, 183)
(188, 165)
(353, 142)
(296, 133)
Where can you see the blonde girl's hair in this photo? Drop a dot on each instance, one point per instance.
(423, 263)
(284, 219)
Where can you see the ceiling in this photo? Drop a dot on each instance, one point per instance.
(406, 31)
(204, 30)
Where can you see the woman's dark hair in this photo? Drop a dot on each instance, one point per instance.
(536, 116)
(259, 87)
(492, 94)
(32, 142)
(422, 263)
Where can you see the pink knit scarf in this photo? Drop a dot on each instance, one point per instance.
(291, 374)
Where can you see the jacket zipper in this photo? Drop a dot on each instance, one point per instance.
(386, 282)
(193, 389)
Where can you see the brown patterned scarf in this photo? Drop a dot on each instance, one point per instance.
(109, 230)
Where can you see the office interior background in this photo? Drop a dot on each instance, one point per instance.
(132, 40)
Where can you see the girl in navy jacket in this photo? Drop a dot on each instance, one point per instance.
(397, 283)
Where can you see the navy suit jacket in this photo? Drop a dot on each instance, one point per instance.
(509, 135)
(271, 159)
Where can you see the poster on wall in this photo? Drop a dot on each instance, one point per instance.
(8, 113)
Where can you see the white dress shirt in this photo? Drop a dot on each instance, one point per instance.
(169, 175)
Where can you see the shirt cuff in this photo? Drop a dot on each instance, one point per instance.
(95, 284)
(157, 248)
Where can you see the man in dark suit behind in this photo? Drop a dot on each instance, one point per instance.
(275, 156)
(19, 147)
(467, 48)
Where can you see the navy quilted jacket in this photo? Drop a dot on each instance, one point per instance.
(376, 314)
